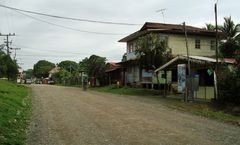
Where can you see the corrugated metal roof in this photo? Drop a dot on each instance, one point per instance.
(167, 28)
(195, 59)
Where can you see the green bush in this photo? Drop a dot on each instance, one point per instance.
(229, 89)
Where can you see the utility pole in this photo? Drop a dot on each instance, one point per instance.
(15, 52)
(216, 51)
(7, 41)
(189, 91)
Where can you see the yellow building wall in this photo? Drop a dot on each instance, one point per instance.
(177, 44)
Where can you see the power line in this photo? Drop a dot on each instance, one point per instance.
(69, 28)
(50, 50)
(56, 51)
(70, 18)
(57, 56)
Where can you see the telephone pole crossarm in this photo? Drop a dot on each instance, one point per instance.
(7, 41)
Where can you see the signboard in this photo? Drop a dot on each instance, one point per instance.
(181, 69)
(210, 72)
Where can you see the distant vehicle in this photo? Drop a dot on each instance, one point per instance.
(50, 82)
(28, 81)
(38, 82)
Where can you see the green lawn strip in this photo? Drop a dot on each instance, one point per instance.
(127, 91)
(201, 109)
(196, 108)
(15, 111)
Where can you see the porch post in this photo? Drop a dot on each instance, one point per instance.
(215, 85)
(165, 83)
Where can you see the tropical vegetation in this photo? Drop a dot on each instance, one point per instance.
(9, 67)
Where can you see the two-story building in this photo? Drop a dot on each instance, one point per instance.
(201, 42)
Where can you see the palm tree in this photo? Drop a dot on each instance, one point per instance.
(230, 39)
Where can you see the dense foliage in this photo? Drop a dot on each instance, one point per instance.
(70, 66)
(95, 67)
(8, 67)
(230, 40)
(152, 50)
(41, 68)
(62, 77)
(229, 81)
(28, 74)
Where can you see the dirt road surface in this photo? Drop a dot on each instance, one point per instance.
(70, 116)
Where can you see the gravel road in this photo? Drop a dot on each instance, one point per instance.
(70, 116)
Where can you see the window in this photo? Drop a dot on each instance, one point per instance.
(130, 47)
(197, 44)
(212, 45)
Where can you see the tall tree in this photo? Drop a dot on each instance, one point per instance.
(8, 67)
(28, 74)
(94, 66)
(152, 50)
(42, 68)
(210, 26)
(70, 66)
(3, 68)
(229, 43)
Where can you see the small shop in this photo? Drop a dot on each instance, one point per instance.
(175, 75)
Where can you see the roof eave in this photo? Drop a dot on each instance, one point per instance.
(140, 33)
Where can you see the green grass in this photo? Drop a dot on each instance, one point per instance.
(127, 91)
(15, 111)
(203, 109)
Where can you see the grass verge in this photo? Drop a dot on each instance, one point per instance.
(15, 111)
(205, 109)
(127, 91)
(197, 108)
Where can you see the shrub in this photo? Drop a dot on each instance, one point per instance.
(229, 89)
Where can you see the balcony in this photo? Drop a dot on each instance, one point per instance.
(131, 56)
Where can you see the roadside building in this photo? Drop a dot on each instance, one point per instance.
(202, 74)
(201, 43)
(114, 73)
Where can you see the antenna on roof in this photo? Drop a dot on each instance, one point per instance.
(162, 12)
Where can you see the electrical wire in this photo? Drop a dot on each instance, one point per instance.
(56, 56)
(45, 50)
(56, 51)
(69, 18)
(66, 27)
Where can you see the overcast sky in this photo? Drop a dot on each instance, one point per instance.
(41, 41)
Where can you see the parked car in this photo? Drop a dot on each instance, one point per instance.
(28, 81)
(50, 82)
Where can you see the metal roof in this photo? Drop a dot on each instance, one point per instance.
(194, 59)
(167, 28)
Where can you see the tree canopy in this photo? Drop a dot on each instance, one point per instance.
(68, 65)
(28, 74)
(94, 66)
(210, 26)
(41, 68)
(230, 40)
(8, 67)
(152, 50)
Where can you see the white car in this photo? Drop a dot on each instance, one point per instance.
(28, 81)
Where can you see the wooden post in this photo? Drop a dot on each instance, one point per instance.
(165, 83)
(216, 66)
